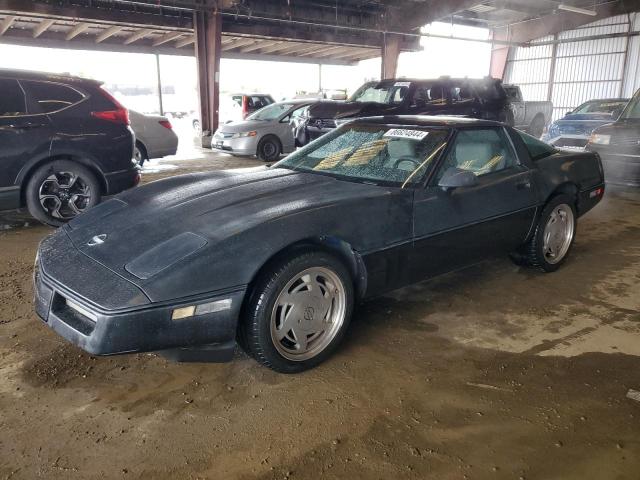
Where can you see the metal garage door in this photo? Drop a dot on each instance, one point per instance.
(573, 71)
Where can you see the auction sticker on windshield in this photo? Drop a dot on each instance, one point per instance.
(402, 84)
(403, 133)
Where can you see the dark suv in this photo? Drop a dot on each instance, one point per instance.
(477, 98)
(64, 143)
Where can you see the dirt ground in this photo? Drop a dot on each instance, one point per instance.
(491, 372)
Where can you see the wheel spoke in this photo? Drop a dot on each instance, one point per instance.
(71, 180)
(301, 339)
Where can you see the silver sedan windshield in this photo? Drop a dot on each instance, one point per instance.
(271, 112)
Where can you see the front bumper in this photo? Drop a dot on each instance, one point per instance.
(567, 141)
(236, 146)
(146, 329)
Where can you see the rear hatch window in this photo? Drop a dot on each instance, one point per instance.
(51, 97)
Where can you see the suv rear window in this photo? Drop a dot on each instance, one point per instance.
(12, 100)
(51, 97)
(259, 101)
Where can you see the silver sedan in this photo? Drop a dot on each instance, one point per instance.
(155, 137)
(267, 133)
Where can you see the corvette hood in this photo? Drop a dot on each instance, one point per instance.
(137, 233)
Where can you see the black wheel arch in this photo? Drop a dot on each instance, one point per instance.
(27, 172)
(335, 246)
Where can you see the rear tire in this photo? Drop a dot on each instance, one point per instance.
(553, 238)
(298, 312)
(269, 149)
(140, 153)
(60, 190)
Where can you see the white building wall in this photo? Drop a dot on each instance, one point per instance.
(582, 70)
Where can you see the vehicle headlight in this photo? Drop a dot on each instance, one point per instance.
(252, 133)
(553, 130)
(599, 139)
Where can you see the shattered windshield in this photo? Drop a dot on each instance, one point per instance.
(382, 92)
(378, 154)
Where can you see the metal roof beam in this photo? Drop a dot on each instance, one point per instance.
(167, 38)
(134, 37)
(258, 46)
(42, 27)
(6, 24)
(108, 33)
(238, 44)
(186, 41)
(98, 15)
(77, 30)
(407, 14)
(562, 21)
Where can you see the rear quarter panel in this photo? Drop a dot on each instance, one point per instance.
(566, 169)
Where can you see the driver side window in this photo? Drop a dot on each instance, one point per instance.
(481, 151)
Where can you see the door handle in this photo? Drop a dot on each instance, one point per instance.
(524, 184)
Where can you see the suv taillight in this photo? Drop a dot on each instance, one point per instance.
(118, 115)
(166, 124)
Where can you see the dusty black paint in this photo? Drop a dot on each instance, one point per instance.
(248, 216)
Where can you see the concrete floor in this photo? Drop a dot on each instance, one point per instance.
(491, 372)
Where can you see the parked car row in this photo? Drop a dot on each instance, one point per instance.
(68, 142)
(576, 127)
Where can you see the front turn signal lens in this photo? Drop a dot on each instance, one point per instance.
(183, 312)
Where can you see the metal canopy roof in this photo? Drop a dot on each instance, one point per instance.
(85, 34)
(500, 13)
(314, 31)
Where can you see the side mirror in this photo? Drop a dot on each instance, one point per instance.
(420, 103)
(456, 178)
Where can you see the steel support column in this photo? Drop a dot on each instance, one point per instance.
(390, 54)
(208, 42)
(499, 54)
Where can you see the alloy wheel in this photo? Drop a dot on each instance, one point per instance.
(63, 195)
(558, 234)
(308, 314)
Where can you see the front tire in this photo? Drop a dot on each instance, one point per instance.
(553, 238)
(269, 149)
(60, 190)
(298, 312)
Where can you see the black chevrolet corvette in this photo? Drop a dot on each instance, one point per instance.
(276, 257)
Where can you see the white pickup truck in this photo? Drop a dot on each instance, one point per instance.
(530, 117)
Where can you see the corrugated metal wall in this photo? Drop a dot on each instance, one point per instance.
(581, 71)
